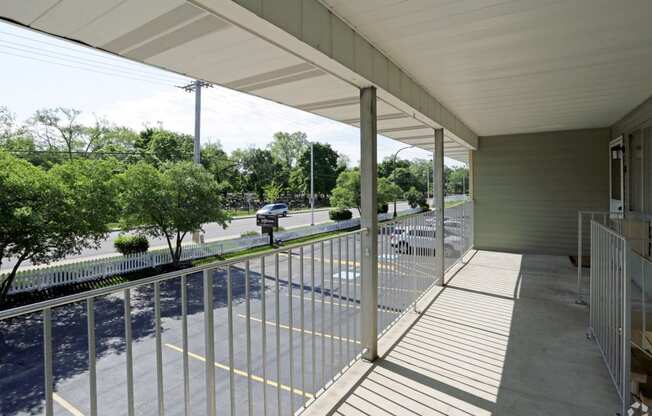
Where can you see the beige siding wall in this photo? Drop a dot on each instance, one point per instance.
(529, 187)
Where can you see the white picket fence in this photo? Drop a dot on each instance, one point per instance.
(41, 278)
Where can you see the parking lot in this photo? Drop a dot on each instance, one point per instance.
(315, 290)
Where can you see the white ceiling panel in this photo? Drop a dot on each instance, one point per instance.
(514, 66)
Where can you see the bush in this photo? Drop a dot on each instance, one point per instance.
(249, 234)
(131, 244)
(383, 209)
(424, 206)
(415, 198)
(340, 214)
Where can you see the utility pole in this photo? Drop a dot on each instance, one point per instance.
(312, 184)
(196, 87)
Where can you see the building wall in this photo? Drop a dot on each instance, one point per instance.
(529, 187)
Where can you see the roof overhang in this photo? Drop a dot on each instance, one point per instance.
(256, 50)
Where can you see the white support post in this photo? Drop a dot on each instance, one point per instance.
(438, 203)
(369, 221)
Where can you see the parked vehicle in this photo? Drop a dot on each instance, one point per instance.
(274, 209)
(420, 238)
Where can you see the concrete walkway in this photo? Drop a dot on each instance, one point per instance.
(503, 338)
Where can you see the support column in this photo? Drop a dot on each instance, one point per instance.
(369, 221)
(438, 203)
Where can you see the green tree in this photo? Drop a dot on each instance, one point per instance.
(403, 178)
(326, 169)
(158, 146)
(286, 148)
(219, 164)
(457, 180)
(388, 192)
(257, 169)
(346, 193)
(170, 202)
(387, 166)
(45, 216)
(272, 192)
(414, 197)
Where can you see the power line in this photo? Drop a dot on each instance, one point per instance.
(85, 69)
(87, 62)
(104, 57)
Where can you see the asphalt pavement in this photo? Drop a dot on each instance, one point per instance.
(303, 307)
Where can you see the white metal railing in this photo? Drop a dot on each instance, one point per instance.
(406, 264)
(458, 232)
(610, 300)
(613, 220)
(640, 270)
(265, 333)
(636, 227)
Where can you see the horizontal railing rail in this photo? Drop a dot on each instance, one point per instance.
(289, 319)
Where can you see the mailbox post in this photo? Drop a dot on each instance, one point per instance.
(267, 222)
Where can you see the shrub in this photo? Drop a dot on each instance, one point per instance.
(415, 198)
(424, 206)
(131, 244)
(249, 234)
(340, 214)
(383, 209)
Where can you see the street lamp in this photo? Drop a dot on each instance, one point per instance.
(394, 166)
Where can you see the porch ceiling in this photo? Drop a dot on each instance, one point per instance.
(517, 66)
(184, 37)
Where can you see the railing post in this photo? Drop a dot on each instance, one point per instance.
(579, 258)
(438, 203)
(369, 221)
(627, 327)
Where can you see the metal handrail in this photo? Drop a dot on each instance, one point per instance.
(53, 303)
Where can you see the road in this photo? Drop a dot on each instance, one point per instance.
(321, 296)
(213, 232)
(318, 288)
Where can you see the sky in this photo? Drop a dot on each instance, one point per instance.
(41, 71)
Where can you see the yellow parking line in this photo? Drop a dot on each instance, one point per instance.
(242, 373)
(309, 332)
(318, 300)
(66, 405)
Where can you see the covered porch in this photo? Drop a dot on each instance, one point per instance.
(504, 336)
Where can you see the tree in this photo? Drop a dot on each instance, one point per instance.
(158, 146)
(346, 193)
(388, 192)
(45, 216)
(415, 198)
(257, 169)
(288, 147)
(325, 168)
(273, 192)
(170, 202)
(403, 178)
(387, 166)
(58, 129)
(457, 180)
(225, 171)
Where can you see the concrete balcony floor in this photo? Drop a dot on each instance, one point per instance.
(504, 337)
